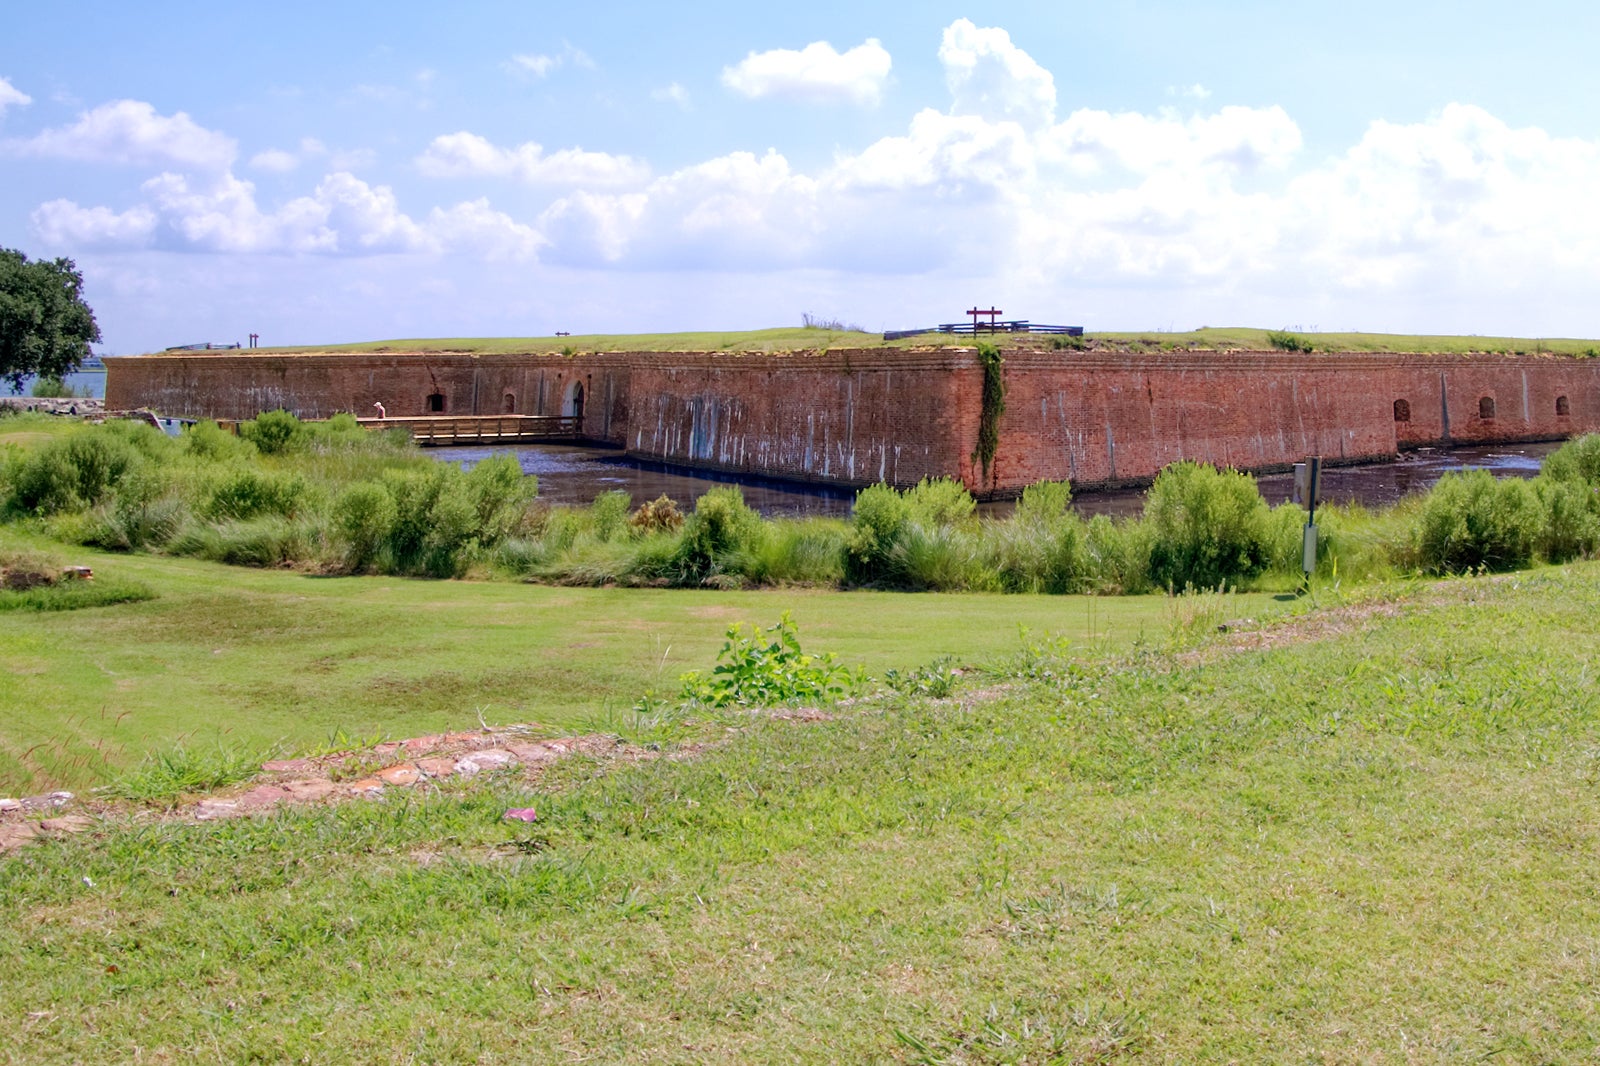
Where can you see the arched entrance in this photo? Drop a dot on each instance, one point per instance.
(572, 406)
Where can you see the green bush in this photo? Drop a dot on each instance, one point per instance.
(609, 514)
(500, 493)
(942, 558)
(1571, 528)
(71, 473)
(1119, 553)
(1576, 460)
(940, 501)
(274, 432)
(807, 551)
(1470, 521)
(1208, 527)
(722, 526)
(210, 442)
(877, 526)
(248, 492)
(363, 516)
(1044, 502)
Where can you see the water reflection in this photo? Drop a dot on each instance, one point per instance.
(576, 475)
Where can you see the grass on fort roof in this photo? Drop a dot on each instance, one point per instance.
(811, 339)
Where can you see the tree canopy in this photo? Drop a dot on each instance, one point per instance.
(45, 327)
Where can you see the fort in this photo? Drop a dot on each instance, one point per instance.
(857, 416)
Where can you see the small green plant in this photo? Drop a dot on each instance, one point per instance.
(1289, 342)
(765, 667)
(936, 680)
(274, 432)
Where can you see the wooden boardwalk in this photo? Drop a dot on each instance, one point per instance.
(436, 430)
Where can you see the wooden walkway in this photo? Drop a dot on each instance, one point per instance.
(482, 429)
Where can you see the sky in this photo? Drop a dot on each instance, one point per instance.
(331, 172)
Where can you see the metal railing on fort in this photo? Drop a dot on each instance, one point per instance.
(979, 329)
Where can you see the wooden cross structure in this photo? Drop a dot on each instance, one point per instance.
(993, 315)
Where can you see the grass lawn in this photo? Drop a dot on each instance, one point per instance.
(799, 339)
(257, 658)
(1369, 838)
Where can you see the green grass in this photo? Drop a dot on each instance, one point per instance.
(261, 657)
(802, 339)
(1377, 846)
(1256, 340)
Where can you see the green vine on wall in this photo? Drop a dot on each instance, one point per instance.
(994, 405)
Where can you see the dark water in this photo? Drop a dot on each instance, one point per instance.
(576, 475)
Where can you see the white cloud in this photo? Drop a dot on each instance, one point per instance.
(542, 65)
(816, 73)
(993, 78)
(276, 160)
(343, 216)
(463, 154)
(1240, 138)
(672, 94)
(131, 132)
(10, 96)
(1190, 92)
(64, 224)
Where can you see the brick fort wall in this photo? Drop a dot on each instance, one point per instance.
(859, 416)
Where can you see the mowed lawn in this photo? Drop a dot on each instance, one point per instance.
(260, 658)
(1371, 837)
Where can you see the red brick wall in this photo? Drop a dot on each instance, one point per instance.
(855, 417)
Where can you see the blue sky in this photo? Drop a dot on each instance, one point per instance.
(331, 172)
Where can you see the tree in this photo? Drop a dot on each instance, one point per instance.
(45, 327)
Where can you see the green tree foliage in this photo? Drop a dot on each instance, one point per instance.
(45, 327)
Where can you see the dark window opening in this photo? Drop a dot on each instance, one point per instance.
(511, 404)
(1486, 407)
(436, 402)
(1563, 408)
(1402, 411)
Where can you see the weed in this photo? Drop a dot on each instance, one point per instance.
(165, 778)
(764, 668)
(935, 680)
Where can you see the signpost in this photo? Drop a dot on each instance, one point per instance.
(1307, 486)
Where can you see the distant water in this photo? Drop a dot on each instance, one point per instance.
(575, 475)
(92, 380)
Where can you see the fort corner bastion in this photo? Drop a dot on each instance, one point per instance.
(858, 416)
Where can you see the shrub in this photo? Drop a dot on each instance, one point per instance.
(1119, 554)
(722, 525)
(608, 514)
(500, 493)
(1470, 520)
(71, 473)
(363, 516)
(56, 389)
(800, 552)
(1289, 342)
(274, 432)
(209, 441)
(1571, 528)
(877, 525)
(940, 502)
(248, 492)
(1576, 460)
(1044, 502)
(942, 558)
(1034, 554)
(1208, 527)
(658, 516)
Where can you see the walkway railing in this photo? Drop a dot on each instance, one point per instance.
(482, 429)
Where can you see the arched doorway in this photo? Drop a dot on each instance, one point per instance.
(572, 406)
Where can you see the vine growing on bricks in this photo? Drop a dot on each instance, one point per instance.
(994, 405)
